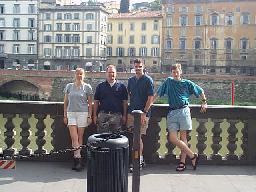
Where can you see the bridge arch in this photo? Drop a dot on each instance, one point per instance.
(21, 87)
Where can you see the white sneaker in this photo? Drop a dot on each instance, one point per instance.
(142, 164)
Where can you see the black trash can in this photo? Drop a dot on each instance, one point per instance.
(107, 165)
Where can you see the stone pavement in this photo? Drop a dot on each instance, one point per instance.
(58, 177)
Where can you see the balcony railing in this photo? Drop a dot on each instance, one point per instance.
(223, 135)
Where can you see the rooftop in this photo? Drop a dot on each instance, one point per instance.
(137, 14)
(57, 176)
(198, 1)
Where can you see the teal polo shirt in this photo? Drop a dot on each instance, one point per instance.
(178, 92)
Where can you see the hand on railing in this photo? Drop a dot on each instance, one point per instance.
(203, 107)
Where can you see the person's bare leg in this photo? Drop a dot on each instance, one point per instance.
(74, 139)
(73, 130)
(141, 150)
(183, 137)
(80, 138)
(183, 146)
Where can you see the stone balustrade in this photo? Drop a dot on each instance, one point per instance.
(223, 135)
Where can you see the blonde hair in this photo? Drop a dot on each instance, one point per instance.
(80, 69)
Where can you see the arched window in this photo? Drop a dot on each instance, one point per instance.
(197, 43)
(214, 19)
(214, 43)
(228, 43)
(244, 43)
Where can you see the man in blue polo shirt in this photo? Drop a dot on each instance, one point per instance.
(141, 91)
(110, 103)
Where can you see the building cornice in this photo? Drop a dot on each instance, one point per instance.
(137, 15)
(74, 8)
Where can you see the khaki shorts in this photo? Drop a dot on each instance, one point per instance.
(130, 124)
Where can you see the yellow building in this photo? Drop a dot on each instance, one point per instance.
(135, 35)
(210, 36)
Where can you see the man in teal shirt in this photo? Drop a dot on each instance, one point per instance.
(178, 91)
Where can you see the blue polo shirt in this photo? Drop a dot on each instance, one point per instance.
(111, 98)
(178, 92)
(139, 90)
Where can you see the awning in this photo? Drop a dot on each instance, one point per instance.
(88, 64)
(31, 65)
(16, 64)
(47, 63)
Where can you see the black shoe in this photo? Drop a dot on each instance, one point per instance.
(131, 169)
(142, 165)
(77, 164)
(181, 167)
(196, 158)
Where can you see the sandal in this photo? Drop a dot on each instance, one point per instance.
(181, 167)
(196, 157)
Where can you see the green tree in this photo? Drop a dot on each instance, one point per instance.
(155, 5)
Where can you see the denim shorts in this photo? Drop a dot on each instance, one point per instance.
(78, 119)
(179, 120)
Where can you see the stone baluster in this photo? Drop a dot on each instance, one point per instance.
(9, 134)
(40, 141)
(244, 138)
(232, 139)
(25, 141)
(170, 156)
(216, 139)
(52, 128)
(58, 131)
(60, 135)
(151, 140)
(201, 138)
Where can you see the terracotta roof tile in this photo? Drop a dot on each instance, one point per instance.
(136, 14)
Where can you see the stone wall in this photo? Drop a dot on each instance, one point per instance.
(217, 91)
